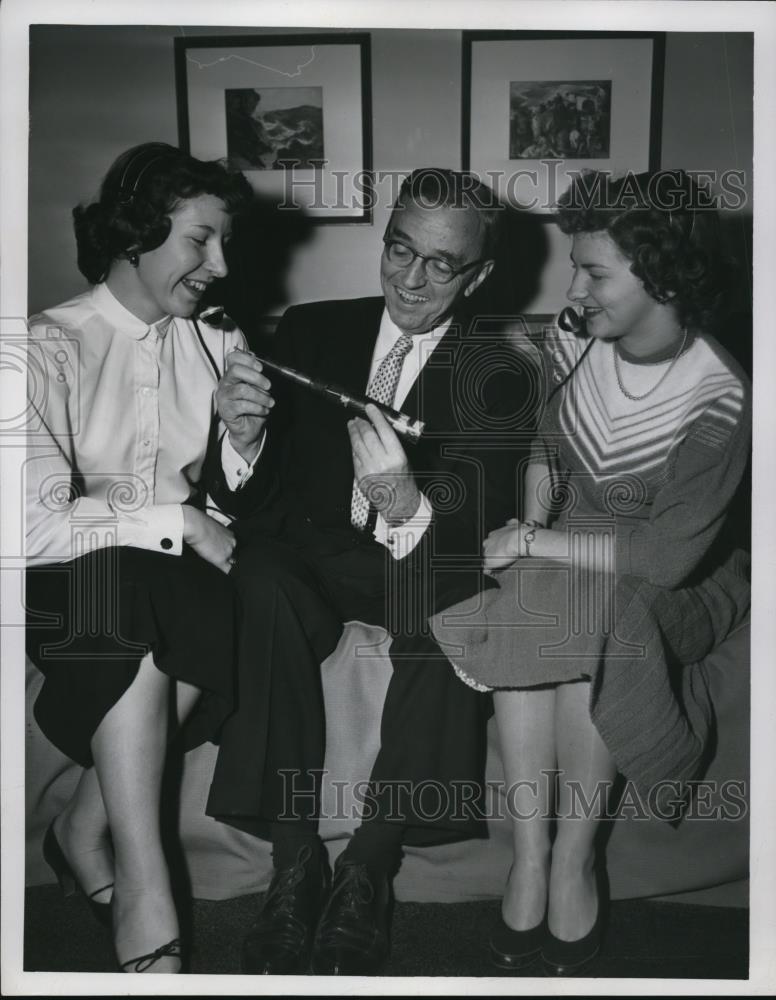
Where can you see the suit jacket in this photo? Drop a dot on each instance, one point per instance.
(470, 396)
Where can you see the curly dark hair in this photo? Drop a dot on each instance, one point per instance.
(138, 193)
(665, 224)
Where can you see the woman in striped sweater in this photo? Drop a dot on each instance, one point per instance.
(619, 571)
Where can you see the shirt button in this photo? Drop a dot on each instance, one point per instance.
(146, 390)
(239, 472)
(557, 357)
(146, 443)
(166, 543)
(557, 376)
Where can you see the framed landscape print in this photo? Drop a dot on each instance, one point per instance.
(538, 106)
(293, 112)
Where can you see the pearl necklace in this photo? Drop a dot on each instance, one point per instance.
(659, 382)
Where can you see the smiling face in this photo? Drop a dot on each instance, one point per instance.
(171, 279)
(415, 303)
(616, 305)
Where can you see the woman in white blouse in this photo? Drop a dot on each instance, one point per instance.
(130, 610)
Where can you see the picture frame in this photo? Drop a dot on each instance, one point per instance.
(539, 106)
(293, 112)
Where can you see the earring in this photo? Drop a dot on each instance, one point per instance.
(133, 259)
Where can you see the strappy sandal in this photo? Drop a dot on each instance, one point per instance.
(144, 962)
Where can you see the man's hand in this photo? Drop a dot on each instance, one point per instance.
(381, 467)
(244, 402)
(502, 547)
(209, 538)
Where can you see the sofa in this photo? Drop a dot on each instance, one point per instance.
(646, 856)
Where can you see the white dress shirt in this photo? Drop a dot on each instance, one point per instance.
(120, 412)
(402, 539)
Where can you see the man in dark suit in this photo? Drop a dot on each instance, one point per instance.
(343, 519)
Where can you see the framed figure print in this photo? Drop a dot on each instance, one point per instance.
(538, 106)
(293, 112)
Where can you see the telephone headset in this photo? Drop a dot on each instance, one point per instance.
(137, 166)
(130, 193)
(569, 321)
(135, 169)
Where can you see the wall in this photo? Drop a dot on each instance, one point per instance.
(96, 91)
(707, 125)
(707, 119)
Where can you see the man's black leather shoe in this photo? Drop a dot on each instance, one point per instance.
(352, 936)
(279, 943)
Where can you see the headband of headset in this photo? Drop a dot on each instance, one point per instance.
(138, 166)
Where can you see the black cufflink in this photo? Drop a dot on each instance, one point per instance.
(166, 543)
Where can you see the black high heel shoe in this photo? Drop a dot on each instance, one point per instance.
(571, 958)
(515, 950)
(58, 863)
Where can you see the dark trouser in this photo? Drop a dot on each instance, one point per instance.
(295, 600)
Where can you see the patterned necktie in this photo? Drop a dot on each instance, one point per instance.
(382, 389)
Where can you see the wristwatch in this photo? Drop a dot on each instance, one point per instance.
(529, 536)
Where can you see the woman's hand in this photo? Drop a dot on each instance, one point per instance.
(502, 547)
(244, 402)
(209, 539)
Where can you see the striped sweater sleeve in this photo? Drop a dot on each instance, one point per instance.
(688, 512)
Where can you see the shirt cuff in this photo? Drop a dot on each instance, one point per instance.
(237, 471)
(158, 528)
(401, 539)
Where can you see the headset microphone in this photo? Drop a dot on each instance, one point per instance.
(570, 321)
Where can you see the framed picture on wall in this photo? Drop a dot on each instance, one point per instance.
(539, 106)
(293, 112)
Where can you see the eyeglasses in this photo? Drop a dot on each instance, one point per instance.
(438, 270)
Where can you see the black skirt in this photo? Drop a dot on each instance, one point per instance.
(91, 621)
